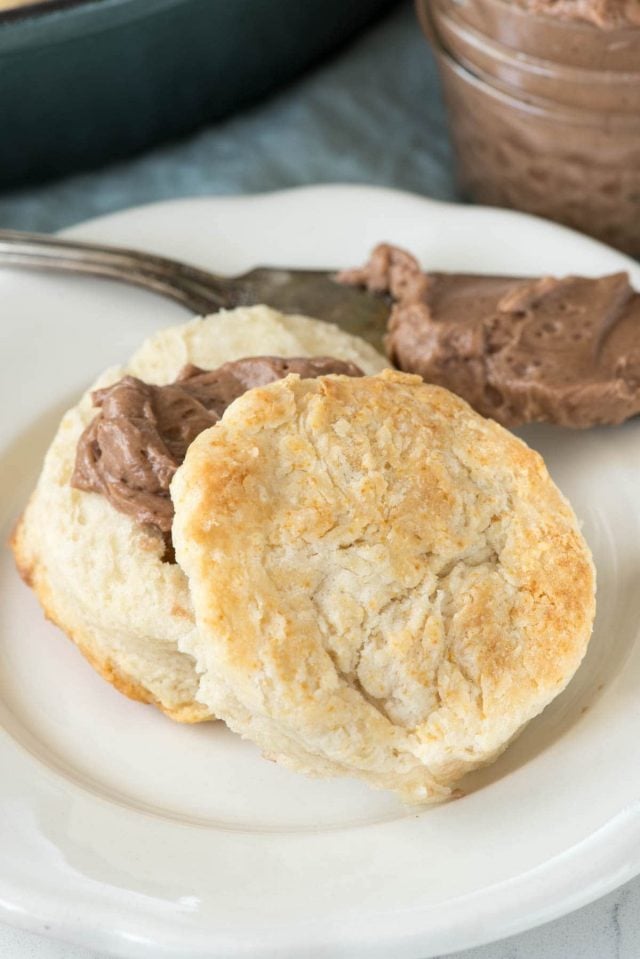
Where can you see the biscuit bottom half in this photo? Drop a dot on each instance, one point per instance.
(102, 577)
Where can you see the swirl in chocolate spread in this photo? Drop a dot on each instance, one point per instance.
(519, 350)
(132, 448)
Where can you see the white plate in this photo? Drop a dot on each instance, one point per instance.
(142, 838)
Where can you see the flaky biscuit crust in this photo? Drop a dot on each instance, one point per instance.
(97, 574)
(386, 584)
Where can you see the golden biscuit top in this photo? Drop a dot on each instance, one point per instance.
(371, 554)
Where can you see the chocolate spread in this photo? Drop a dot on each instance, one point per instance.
(519, 350)
(606, 14)
(543, 98)
(132, 448)
(596, 35)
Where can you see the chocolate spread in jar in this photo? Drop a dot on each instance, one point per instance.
(132, 448)
(539, 135)
(519, 350)
(606, 14)
(594, 35)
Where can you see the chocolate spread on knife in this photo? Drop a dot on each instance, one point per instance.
(564, 351)
(132, 448)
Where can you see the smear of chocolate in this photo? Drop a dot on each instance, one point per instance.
(519, 350)
(132, 448)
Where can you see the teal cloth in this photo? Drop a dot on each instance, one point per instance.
(373, 114)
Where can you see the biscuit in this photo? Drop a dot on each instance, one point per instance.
(99, 575)
(386, 585)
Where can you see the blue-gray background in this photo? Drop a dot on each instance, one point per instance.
(372, 114)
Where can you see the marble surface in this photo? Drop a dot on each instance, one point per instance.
(372, 114)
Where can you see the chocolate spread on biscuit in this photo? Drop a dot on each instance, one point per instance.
(132, 448)
(519, 350)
